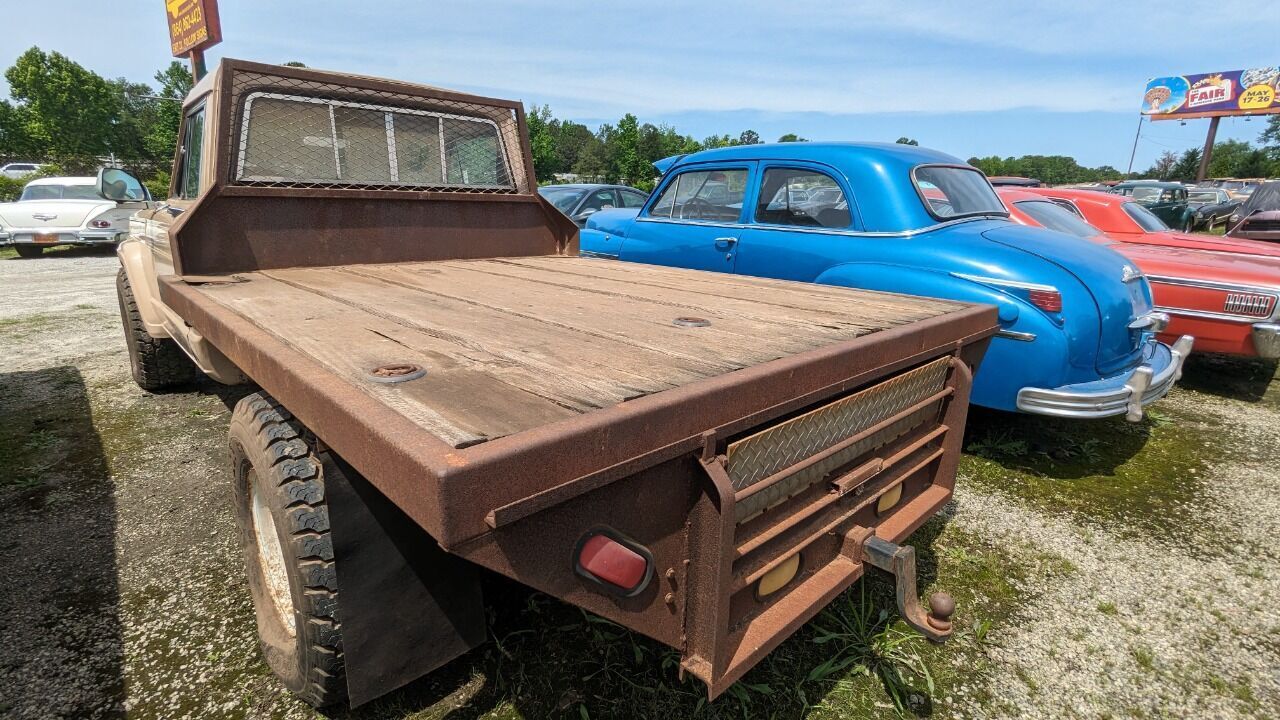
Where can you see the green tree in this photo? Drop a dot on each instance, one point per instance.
(175, 82)
(66, 109)
(542, 142)
(749, 137)
(1187, 166)
(718, 141)
(627, 164)
(904, 140)
(792, 137)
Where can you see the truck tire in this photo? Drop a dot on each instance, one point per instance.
(278, 486)
(156, 363)
(29, 251)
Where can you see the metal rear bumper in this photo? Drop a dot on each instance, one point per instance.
(65, 237)
(1126, 396)
(1266, 340)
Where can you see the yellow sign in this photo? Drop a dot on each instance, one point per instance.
(193, 25)
(1258, 97)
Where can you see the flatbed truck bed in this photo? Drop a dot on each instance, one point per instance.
(705, 458)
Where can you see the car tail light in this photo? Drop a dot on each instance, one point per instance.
(1046, 300)
(614, 562)
(100, 223)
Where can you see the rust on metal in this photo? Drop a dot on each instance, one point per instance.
(396, 373)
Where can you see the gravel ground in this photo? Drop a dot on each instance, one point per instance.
(125, 594)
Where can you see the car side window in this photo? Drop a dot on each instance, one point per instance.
(602, 199)
(805, 198)
(632, 199)
(192, 145)
(703, 195)
(1066, 204)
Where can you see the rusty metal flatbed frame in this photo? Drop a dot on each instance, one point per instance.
(483, 502)
(661, 465)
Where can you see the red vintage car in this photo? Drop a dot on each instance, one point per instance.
(1127, 221)
(1228, 301)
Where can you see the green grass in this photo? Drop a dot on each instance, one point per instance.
(1136, 477)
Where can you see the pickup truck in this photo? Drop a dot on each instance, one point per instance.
(446, 387)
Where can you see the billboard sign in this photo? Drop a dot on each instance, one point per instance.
(1236, 92)
(193, 25)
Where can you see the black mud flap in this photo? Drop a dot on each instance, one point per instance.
(406, 606)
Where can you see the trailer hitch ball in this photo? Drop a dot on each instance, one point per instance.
(900, 561)
(941, 608)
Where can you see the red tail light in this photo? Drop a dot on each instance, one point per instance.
(1046, 300)
(618, 564)
(100, 223)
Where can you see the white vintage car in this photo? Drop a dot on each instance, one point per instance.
(68, 211)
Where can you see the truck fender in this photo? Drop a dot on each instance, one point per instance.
(138, 268)
(917, 281)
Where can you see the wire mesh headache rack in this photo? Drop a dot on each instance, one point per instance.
(299, 133)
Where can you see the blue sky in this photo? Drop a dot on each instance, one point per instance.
(1004, 78)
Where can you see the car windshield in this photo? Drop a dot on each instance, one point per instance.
(953, 192)
(60, 192)
(1146, 219)
(1055, 217)
(563, 198)
(1203, 196)
(1142, 194)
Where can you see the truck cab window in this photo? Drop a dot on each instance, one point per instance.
(294, 140)
(192, 147)
(804, 198)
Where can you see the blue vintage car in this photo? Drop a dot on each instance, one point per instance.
(1077, 326)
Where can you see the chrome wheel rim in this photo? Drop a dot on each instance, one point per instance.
(271, 558)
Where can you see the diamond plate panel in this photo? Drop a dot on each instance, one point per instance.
(755, 458)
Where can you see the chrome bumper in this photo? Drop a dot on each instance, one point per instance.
(85, 236)
(1266, 340)
(1145, 385)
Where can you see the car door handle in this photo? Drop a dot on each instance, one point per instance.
(726, 243)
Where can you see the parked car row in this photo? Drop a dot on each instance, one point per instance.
(1099, 302)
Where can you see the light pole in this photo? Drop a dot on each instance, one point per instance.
(1134, 151)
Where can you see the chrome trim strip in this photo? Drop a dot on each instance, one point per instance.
(1224, 287)
(1015, 335)
(1206, 315)
(592, 254)
(1005, 283)
(1211, 285)
(814, 231)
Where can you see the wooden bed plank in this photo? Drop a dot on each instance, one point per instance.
(460, 400)
(738, 341)
(812, 296)
(513, 344)
(610, 370)
(876, 311)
